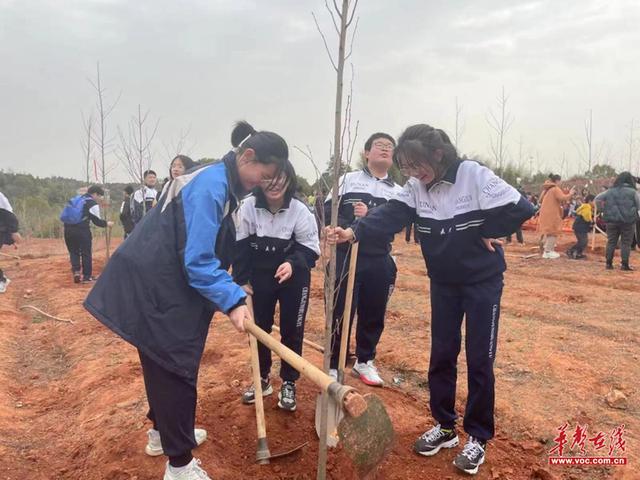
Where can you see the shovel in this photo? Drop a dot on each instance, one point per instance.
(365, 430)
(263, 455)
(346, 315)
(335, 414)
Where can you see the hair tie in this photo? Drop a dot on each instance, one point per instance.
(245, 139)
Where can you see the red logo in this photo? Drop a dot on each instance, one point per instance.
(573, 446)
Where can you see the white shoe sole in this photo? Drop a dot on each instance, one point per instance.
(265, 393)
(156, 452)
(365, 380)
(472, 471)
(454, 442)
(282, 407)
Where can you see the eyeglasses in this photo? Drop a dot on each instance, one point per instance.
(383, 145)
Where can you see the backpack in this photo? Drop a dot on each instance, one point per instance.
(73, 212)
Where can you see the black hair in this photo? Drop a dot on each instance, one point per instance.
(287, 172)
(268, 146)
(149, 172)
(95, 189)
(187, 162)
(625, 179)
(128, 189)
(375, 136)
(589, 198)
(418, 143)
(554, 177)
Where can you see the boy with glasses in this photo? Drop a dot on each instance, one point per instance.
(360, 192)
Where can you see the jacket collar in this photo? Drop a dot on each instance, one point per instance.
(386, 179)
(450, 175)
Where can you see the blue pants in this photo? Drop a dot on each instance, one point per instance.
(480, 304)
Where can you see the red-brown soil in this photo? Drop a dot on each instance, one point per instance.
(72, 401)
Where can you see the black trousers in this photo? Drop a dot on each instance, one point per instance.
(582, 239)
(519, 236)
(374, 282)
(293, 297)
(172, 408)
(636, 237)
(78, 241)
(480, 303)
(407, 233)
(624, 232)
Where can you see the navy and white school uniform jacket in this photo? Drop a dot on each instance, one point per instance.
(161, 287)
(453, 215)
(265, 240)
(142, 202)
(362, 186)
(8, 222)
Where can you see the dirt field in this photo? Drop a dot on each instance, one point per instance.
(72, 402)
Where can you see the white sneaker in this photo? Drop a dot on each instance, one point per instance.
(4, 284)
(333, 373)
(191, 471)
(368, 373)
(154, 445)
(551, 255)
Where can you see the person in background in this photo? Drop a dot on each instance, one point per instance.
(144, 199)
(125, 211)
(636, 237)
(77, 215)
(550, 224)
(582, 225)
(620, 206)
(8, 234)
(519, 236)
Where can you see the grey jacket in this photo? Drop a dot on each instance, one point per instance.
(620, 204)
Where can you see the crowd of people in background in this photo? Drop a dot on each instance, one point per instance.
(245, 211)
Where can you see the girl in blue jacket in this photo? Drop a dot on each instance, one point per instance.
(162, 286)
(460, 208)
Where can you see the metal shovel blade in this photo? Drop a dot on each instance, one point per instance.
(334, 415)
(367, 438)
(288, 452)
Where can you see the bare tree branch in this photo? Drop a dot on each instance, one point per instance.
(501, 124)
(353, 12)
(326, 46)
(135, 146)
(338, 11)
(309, 156)
(353, 36)
(333, 18)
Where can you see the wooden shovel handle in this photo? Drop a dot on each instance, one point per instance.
(305, 368)
(257, 381)
(346, 315)
(308, 343)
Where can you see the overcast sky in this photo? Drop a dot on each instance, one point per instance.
(199, 65)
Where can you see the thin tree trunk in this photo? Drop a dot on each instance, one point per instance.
(330, 282)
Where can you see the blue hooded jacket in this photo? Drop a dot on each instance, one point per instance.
(161, 287)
